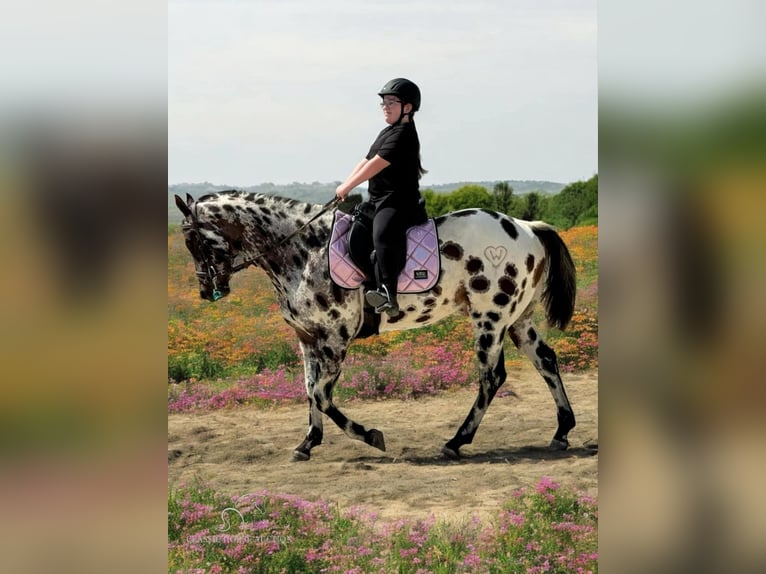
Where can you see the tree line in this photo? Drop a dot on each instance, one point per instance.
(576, 204)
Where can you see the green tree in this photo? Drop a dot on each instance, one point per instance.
(533, 204)
(575, 204)
(503, 194)
(471, 196)
(436, 203)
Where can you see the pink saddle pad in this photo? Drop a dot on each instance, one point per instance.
(420, 273)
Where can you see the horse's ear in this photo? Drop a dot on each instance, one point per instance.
(189, 200)
(183, 207)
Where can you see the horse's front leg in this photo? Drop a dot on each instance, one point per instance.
(322, 369)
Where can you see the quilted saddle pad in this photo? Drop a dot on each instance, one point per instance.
(420, 273)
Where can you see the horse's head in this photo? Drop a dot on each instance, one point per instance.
(210, 249)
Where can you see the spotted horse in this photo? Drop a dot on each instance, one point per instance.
(494, 269)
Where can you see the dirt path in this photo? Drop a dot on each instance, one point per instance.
(248, 450)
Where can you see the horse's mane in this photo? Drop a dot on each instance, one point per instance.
(249, 196)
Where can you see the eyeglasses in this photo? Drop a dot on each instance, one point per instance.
(389, 103)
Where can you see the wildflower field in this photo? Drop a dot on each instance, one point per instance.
(547, 529)
(236, 406)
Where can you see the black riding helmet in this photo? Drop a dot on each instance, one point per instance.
(405, 90)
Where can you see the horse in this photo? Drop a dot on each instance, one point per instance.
(494, 269)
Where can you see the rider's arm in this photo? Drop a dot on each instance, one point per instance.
(364, 171)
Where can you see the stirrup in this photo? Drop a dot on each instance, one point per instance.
(380, 300)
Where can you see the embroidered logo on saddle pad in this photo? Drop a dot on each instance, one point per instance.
(420, 273)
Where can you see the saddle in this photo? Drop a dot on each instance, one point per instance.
(352, 256)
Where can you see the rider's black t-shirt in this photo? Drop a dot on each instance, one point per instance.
(398, 183)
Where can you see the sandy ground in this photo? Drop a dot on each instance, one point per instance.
(248, 450)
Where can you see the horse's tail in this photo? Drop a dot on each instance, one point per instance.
(560, 283)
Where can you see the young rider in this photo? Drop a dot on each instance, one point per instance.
(393, 169)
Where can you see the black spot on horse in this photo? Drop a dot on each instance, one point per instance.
(501, 299)
(423, 318)
(214, 209)
(524, 284)
(452, 251)
(430, 302)
(530, 262)
(511, 270)
(275, 267)
(492, 214)
(228, 208)
(474, 265)
(322, 301)
(298, 261)
(486, 340)
(507, 285)
(437, 290)
(492, 316)
(514, 336)
(548, 357)
(465, 213)
(532, 334)
(337, 292)
(328, 352)
(335, 314)
(313, 242)
(307, 209)
(344, 333)
(509, 228)
(549, 382)
(479, 284)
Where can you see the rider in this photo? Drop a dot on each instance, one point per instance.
(393, 169)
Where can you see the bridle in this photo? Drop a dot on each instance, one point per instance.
(212, 274)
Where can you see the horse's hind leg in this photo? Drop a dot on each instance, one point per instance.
(526, 337)
(321, 375)
(489, 350)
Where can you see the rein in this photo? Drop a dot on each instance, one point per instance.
(211, 273)
(248, 262)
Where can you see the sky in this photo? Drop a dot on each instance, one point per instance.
(286, 91)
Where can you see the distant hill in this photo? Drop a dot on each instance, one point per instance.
(317, 192)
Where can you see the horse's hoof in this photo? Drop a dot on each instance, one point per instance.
(376, 440)
(557, 444)
(300, 456)
(450, 454)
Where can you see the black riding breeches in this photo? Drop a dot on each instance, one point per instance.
(389, 236)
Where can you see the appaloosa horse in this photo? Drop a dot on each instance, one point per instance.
(494, 269)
